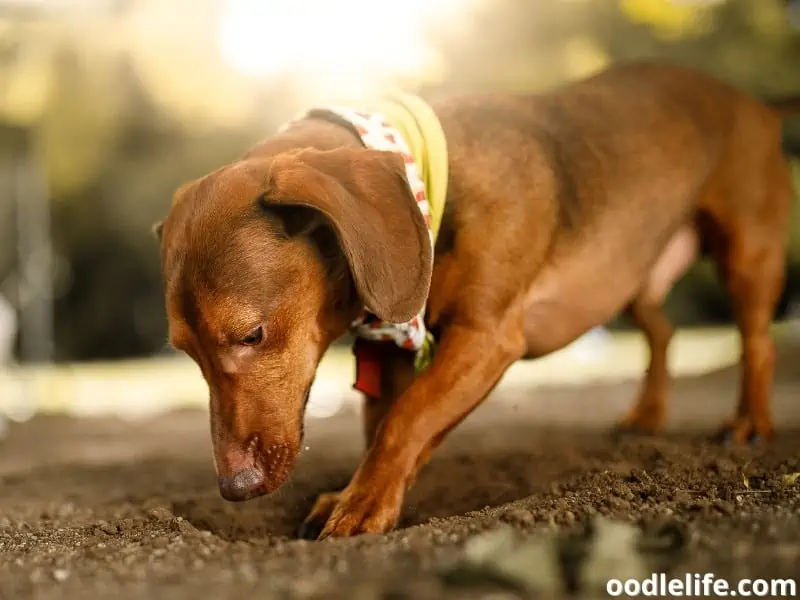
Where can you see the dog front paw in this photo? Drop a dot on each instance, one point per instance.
(638, 426)
(314, 523)
(647, 417)
(359, 510)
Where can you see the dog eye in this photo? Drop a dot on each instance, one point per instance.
(253, 338)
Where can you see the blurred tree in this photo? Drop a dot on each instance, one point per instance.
(672, 20)
(127, 103)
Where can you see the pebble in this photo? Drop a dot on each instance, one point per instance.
(519, 515)
(495, 556)
(127, 525)
(186, 528)
(109, 528)
(160, 513)
(618, 503)
(61, 575)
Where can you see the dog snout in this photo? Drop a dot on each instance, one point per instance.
(243, 485)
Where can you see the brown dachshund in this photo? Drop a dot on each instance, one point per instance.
(563, 210)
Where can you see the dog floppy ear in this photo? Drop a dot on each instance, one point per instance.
(366, 198)
(157, 228)
(178, 197)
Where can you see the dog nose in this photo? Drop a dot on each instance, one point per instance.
(242, 486)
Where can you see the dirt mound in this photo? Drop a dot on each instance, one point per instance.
(101, 508)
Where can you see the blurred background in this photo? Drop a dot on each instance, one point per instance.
(106, 106)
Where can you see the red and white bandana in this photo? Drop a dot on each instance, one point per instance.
(378, 134)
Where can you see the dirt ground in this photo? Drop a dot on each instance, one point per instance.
(107, 509)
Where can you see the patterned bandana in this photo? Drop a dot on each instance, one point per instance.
(377, 133)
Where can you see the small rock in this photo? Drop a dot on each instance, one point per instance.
(612, 553)
(486, 545)
(618, 503)
(519, 515)
(108, 528)
(61, 575)
(158, 508)
(665, 536)
(127, 525)
(160, 513)
(494, 557)
(186, 528)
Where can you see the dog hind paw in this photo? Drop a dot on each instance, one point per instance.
(741, 434)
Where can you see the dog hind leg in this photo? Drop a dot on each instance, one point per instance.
(754, 271)
(749, 245)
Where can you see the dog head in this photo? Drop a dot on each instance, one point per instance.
(266, 262)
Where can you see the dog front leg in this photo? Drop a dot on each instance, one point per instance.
(397, 373)
(469, 363)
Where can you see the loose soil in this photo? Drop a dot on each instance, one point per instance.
(97, 508)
